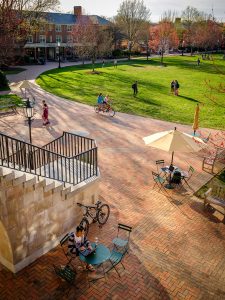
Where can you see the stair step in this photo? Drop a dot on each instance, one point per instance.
(19, 177)
(49, 185)
(30, 180)
(6, 173)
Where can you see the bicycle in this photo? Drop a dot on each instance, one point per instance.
(98, 212)
(105, 108)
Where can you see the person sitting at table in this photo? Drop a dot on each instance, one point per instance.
(176, 177)
(77, 243)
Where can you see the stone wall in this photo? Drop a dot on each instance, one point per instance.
(36, 214)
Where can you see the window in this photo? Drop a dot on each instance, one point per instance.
(69, 28)
(58, 39)
(50, 39)
(69, 38)
(30, 39)
(42, 39)
(58, 28)
(50, 27)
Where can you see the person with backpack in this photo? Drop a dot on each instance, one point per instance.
(176, 88)
(135, 88)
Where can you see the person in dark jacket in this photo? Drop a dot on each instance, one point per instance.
(135, 88)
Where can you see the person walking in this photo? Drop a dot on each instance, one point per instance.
(172, 86)
(198, 61)
(135, 88)
(176, 88)
(45, 115)
(103, 63)
(115, 63)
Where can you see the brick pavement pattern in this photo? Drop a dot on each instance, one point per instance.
(177, 248)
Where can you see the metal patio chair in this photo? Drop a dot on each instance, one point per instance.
(186, 176)
(160, 164)
(116, 257)
(123, 237)
(66, 273)
(64, 246)
(159, 181)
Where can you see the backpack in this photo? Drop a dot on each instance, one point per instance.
(133, 86)
(176, 177)
(178, 85)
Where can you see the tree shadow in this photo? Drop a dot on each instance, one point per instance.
(189, 98)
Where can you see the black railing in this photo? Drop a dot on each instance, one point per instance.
(59, 160)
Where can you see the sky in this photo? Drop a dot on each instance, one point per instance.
(109, 8)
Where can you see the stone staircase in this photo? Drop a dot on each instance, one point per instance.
(35, 212)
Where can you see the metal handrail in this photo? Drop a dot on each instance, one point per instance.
(23, 156)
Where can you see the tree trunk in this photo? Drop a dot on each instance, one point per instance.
(93, 64)
(161, 57)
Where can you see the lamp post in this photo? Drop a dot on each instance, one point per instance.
(29, 113)
(59, 54)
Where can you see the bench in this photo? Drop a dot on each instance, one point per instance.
(208, 163)
(211, 200)
(6, 104)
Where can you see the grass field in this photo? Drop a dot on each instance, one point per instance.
(14, 99)
(154, 99)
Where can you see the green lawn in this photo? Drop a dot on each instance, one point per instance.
(14, 98)
(154, 99)
(14, 70)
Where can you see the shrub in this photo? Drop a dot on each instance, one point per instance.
(3, 80)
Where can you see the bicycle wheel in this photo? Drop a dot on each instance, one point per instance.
(111, 112)
(96, 108)
(103, 214)
(85, 224)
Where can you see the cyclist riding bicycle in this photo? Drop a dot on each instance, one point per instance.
(100, 99)
(106, 102)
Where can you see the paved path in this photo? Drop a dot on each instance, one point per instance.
(177, 249)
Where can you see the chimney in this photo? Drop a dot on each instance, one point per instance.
(77, 10)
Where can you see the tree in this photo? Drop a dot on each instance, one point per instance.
(208, 34)
(18, 19)
(131, 17)
(189, 18)
(163, 37)
(94, 40)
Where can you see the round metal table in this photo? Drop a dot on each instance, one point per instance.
(101, 254)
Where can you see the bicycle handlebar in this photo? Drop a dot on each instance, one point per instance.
(88, 206)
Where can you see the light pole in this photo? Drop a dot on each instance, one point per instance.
(29, 113)
(59, 55)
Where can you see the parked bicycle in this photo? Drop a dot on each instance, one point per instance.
(98, 212)
(105, 108)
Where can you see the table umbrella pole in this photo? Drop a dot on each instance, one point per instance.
(172, 158)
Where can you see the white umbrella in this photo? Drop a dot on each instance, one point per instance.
(174, 140)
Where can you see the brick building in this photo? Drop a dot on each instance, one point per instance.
(58, 31)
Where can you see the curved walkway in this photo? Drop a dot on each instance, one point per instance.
(177, 249)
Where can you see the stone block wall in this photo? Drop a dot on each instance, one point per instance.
(35, 215)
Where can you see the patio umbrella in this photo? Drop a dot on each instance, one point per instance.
(174, 141)
(196, 119)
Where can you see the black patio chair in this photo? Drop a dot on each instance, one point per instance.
(64, 246)
(66, 273)
(123, 237)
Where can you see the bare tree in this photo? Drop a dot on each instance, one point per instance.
(18, 19)
(91, 39)
(131, 16)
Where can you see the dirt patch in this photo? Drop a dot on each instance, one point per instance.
(93, 72)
